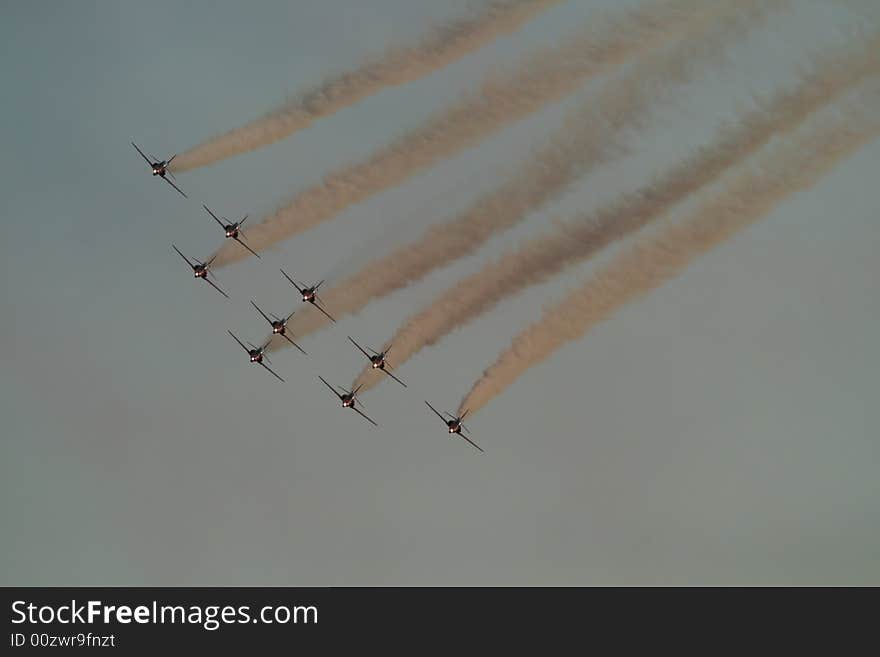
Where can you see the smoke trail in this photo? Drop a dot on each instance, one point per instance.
(745, 198)
(585, 141)
(442, 46)
(541, 79)
(539, 259)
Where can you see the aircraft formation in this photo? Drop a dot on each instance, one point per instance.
(638, 51)
(257, 355)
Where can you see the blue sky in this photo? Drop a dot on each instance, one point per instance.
(721, 430)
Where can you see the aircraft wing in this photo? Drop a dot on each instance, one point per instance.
(175, 187)
(214, 285)
(182, 256)
(238, 341)
(142, 154)
(266, 317)
(360, 348)
(394, 377)
(214, 215)
(436, 412)
(329, 386)
(366, 417)
(286, 337)
(319, 307)
(272, 372)
(292, 282)
(242, 242)
(470, 441)
(241, 222)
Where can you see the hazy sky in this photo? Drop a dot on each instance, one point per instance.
(723, 430)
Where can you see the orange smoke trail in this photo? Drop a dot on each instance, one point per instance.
(442, 46)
